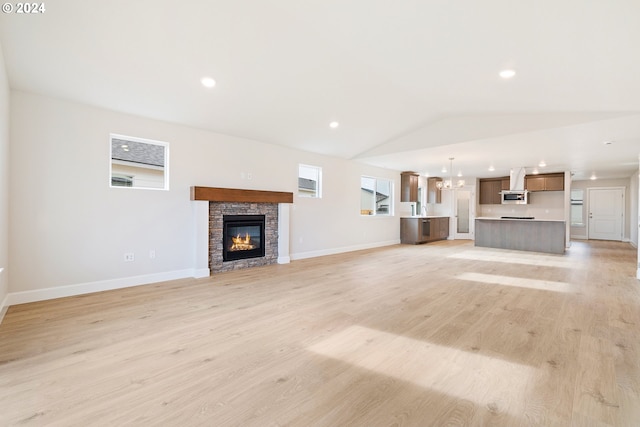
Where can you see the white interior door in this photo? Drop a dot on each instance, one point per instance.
(606, 213)
(464, 214)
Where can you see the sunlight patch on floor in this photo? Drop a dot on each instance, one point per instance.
(487, 381)
(516, 258)
(520, 282)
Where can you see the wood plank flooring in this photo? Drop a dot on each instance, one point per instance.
(444, 334)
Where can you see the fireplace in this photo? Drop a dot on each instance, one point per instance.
(243, 237)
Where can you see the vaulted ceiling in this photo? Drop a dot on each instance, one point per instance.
(411, 83)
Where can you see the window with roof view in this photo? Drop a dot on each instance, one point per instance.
(309, 181)
(376, 196)
(139, 163)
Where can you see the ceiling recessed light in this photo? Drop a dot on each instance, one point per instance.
(208, 82)
(491, 168)
(542, 164)
(334, 125)
(535, 171)
(593, 177)
(507, 74)
(607, 142)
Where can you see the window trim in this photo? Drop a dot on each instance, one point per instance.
(577, 202)
(164, 168)
(318, 191)
(374, 212)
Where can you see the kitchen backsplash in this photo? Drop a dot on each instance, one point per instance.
(542, 205)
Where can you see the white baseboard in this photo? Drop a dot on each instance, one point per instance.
(5, 302)
(5, 306)
(333, 251)
(201, 272)
(284, 260)
(14, 298)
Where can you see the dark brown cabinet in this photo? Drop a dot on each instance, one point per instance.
(443, 228)
(546, 182)
(490, 189)
(534, 183)
(408, 187)
(423, 230)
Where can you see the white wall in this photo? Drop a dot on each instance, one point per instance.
(4, 185)
(69, 228)
(634, 206)
(635, 182)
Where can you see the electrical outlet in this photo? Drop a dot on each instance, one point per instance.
(152, 253)
(128, 257)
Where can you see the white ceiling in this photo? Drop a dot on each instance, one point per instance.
(411, 82)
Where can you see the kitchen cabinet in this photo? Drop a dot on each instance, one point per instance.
(434, 194)
(408, 187)
(546, 182)
(443, 228)
(418, 230)
(490, 189)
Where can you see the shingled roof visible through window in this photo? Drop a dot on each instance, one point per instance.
(306, 184)
(137, 152)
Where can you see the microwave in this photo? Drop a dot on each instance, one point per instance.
(514, 197)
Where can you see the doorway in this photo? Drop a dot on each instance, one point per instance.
(463, 214)
(606, 213)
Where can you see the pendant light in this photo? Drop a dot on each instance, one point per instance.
(448, 184)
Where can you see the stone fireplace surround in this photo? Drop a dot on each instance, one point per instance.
(212, 203)
(216, 212)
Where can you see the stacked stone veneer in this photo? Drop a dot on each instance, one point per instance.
(216, 212)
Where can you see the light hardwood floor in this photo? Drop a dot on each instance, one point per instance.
(429, 335)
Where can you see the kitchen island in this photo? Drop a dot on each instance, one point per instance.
(523, 234)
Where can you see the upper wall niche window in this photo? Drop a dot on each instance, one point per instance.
(376, 196)
(309, 181)
(138, 163)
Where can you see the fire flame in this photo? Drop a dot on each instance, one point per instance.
(242, 243)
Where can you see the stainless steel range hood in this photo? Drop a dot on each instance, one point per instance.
(516, 193)
(516, 180)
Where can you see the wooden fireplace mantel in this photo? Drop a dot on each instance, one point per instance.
(214, 194)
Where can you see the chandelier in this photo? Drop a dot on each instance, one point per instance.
(449, 184)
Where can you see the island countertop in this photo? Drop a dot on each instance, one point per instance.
(488, 218)
(424, 216)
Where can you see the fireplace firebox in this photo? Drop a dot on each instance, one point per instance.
(243, 237)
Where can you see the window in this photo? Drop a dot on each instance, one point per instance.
(376, 196)
(118, 180)
(577, 205)
(139, 163)
(309, 181)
